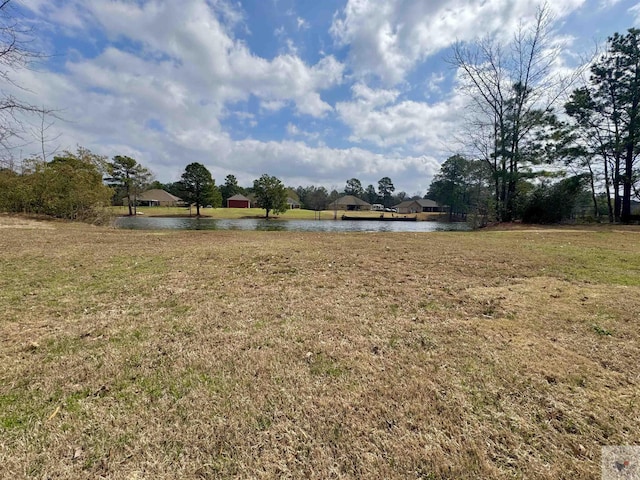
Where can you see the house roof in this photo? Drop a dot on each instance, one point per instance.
(350, 200)
(423, 202)
(158, 195)
(239, 196)
(292, 201)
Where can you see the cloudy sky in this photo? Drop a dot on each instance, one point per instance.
(312, 91)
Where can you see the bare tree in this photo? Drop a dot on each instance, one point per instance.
(512, 88)
(15, 53)
(41, 134)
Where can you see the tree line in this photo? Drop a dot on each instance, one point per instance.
(268, 190)
(530, 160)
(196, 187)
(77, 185)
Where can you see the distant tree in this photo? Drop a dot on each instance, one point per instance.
(312, 197)
(156, 185)
(334, 195)
(198, 187)
(128, 177)
(174, 188)
(302, 193)
(607, 113)
(385, 189)
(449, 186)
(554, 203)
(230, 188)
(399, 197)
(271, 194)
(462, 185)
(317, 199)
(370, 194)
(354, 187)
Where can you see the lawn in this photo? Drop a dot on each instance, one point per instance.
(297, 213)
(238, 354)
(233, 213)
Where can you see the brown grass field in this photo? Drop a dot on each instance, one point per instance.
(234, 354)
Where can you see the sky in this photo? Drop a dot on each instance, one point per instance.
(314, 92)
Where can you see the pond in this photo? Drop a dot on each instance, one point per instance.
(193, 223)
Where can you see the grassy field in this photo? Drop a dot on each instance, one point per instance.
(226, 354)
(294, 214)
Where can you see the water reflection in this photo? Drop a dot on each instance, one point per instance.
(192, 223)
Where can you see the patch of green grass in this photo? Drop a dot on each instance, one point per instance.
(176, 308)
(263, 422)
(323, 365)
(429, 305)
(130, 336)
(601, 331)
(575, 261)
(227, 213)
(11, 415)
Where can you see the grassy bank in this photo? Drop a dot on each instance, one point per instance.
(495, 354)
(232, 213)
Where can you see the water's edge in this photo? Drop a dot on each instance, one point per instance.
(194, 223)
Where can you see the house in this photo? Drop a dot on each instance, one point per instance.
(349, 202)
(293, 203)
(420, 205)
(238, 201)
(155, 198)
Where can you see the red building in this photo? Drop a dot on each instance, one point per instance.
(238, 201)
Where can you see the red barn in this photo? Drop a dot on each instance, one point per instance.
(238, 201)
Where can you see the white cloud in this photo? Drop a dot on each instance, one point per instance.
(296, 162)
(302, 23)
(387, 38)
(375, 116)
(435, 81)
(292, 129)
(187, 73)
(295, 131)
(635, 11)
(371, 97)
(197, 51)
(607, 4)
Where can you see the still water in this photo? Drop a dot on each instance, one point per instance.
(192, 223)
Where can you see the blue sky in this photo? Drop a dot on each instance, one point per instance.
(312, 91)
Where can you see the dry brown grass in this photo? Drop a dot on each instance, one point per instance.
(129, 354)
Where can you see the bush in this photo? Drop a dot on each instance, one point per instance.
(553, 203)
(69, 187)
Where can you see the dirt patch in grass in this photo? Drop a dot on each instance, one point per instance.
(494, 354)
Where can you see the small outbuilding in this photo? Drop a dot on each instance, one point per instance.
(349, 202)
(238, 201)
(420, 205)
